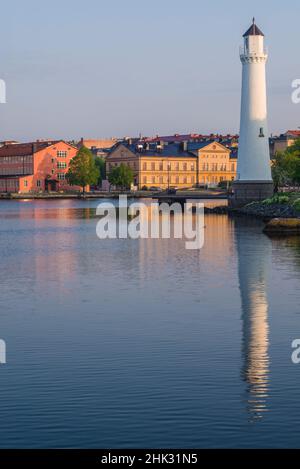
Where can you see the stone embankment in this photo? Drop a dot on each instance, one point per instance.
(259, 210)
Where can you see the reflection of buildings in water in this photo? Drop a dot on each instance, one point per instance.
(218, 242)
(254, 253)
(55, 253)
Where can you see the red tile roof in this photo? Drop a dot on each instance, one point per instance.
(295, 133)
(24, 149)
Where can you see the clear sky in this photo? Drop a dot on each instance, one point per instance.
(102, 68)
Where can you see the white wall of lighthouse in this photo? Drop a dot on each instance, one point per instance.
(254, 153)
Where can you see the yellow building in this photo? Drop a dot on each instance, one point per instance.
(180, 165)
(217, 163)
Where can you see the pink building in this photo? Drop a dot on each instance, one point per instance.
(35, 167)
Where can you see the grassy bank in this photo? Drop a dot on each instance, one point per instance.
(281, 205)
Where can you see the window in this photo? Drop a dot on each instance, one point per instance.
(61, 176)
(153, 166)
(38, 183)
(61, 165)
(145, 166)
(52, 160)
(62, 154)
(184, 167)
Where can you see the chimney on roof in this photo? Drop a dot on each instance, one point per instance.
(184, 146)
(139, 147)
(160, 146)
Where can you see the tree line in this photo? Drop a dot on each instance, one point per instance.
(85, 170)
(286, 167)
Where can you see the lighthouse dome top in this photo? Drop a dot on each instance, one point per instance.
(253, 30)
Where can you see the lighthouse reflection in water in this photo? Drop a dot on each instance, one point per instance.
(253, 268)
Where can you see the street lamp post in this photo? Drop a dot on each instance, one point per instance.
(169, 169)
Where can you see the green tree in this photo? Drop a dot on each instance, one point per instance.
(121, 176)
(293, 165)
(293, 161)
(280, 171)
(295, 148)
(100, 164)
(286, 166)
(82, 170)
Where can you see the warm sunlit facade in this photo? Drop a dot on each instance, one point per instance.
(35, 167)
(179, 165)
(217, 163)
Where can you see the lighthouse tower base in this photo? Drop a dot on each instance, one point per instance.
(245, 192)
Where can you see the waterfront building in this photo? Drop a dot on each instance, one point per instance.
(99, 147)
(181, 165)
(227, 140)
(216, 163)
(8, 142)
(283, 141)
(254, 179)
(35, 167)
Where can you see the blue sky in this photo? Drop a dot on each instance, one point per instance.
(98, 68)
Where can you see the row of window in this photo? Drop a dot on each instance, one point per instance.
(213, 179)
(168, 166)
(176, 166)
(27, 169)
(28, 159)
(61, 165)
(215, 156)
(62, 154)
(8, 183)
(16, 159)
(161, 166)
(216, 167)
(172, 180)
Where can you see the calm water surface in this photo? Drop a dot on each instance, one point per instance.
(142, 343)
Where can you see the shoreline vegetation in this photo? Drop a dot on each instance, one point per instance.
(281, 213)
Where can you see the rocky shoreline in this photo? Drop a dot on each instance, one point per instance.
(258, 210)
(280, 219)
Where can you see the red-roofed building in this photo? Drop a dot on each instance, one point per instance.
(283, 141)
(232, 140)
(293, 133)
(35, 167)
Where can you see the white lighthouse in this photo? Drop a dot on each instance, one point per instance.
(254, 179)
